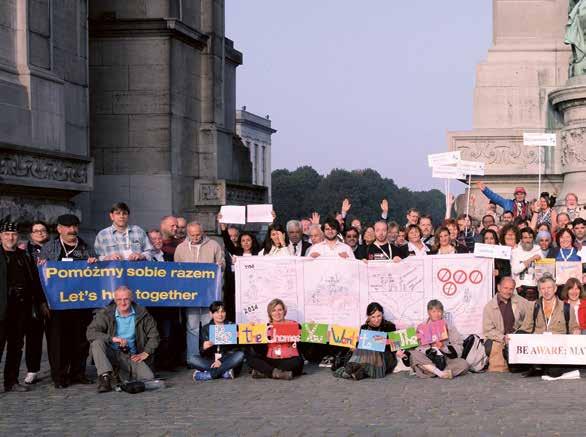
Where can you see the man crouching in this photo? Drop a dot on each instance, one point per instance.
(122, 335)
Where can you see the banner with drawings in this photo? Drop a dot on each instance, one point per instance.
(337, 291)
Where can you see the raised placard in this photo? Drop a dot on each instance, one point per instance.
(492, 251)
(539, 139)
(440, 159)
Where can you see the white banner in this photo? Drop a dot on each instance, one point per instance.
(331, 290)
(547, 349)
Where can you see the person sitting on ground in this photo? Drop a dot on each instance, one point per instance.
(276, 242)
(573, 293)
(550, 315)
(503, 315)
(122, 335)
(451, 348)
(366, 363)
(216, 362)
(276, 360)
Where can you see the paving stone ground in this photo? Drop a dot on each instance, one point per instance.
(314, 404)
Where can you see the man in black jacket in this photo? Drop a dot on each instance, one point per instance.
(66, 342)
(123, 335)
(20, 290)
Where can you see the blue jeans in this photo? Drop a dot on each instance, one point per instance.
(196, 317)
(229, 360)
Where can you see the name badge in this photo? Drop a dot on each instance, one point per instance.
(66, 259)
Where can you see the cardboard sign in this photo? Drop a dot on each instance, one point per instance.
(492, 251)
(372, 340)
(447, 173)
(284, 333)
(544, 267)
(403, 339)
(223, 334)
(547, 349)
(252, 333)
(429, 333)
(344, 336)
(565, 270)
(232, 214)
(259, 213)
(314, 333)
(539, 139)
(447, 158)
(475, 168)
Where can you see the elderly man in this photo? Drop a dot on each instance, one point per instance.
(181, 229)
(20, 291)
(316, 235)
(66, 342)
(122, 241)
(504, 314)
(123, 335)
(295, 233)
(168, 228)
(197, 248)
(158, 253)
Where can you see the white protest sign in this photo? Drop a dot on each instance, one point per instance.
(259, 213)
(233, 214)
(492, 251)
(447, 173)
(447, 158)
(475, 168)
(547, 349)
(539, 139)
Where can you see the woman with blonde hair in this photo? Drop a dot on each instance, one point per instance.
(573, 293)
(276, 360)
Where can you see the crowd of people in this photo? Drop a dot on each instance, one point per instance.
(140, 341)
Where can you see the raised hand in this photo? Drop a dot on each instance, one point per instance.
(315, 218)
(480, 185)
(384, 206)
(346, 205)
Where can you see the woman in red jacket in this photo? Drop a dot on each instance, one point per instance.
(574, 294)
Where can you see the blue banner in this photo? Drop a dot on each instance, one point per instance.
(77, 284)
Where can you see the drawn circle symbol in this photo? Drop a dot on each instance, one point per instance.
(476, 276)
(450, 289)
(444, 275)
(460, 276)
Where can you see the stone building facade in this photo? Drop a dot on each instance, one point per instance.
(255, 132)
(111, 101)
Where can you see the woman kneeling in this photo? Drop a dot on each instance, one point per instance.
(281, 360)
(427, 361)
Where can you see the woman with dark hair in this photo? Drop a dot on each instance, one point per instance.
(276, 242)
(573, 293)
(451, 349)
(566, 243)
(415, 244)
(510, 235)
(366, 363)
(543, 212)
(214, 361)
(502, 267)
(443, 243)
(368, 235)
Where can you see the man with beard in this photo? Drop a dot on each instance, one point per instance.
(426, 226)
(20, 291)
(351, 239)
(523, 259)
(66, 341)
(331, 246)
(181, 229)
(381, 249)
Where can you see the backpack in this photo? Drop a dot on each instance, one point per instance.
(474, 353)
(567, 309)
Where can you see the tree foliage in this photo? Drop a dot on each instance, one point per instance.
(298, 193)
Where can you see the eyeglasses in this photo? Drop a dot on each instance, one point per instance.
(39, 231)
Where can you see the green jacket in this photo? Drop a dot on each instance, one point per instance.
(103, 327)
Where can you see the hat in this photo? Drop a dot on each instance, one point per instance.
(578, 221)
(68, 220)
(520, 190)
(8, 226)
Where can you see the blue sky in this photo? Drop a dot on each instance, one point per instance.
(375, 83)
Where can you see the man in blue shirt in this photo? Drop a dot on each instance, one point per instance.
(122, 335)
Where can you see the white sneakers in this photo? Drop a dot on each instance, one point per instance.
(574, 374)
(31, 378)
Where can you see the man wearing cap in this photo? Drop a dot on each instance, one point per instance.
(518, 206)
(20, 291)
(66, 341)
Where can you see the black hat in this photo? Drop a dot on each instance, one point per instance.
(578, 221)
(68, 220)
(8, 226)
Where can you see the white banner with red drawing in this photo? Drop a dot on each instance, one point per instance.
(337, 291)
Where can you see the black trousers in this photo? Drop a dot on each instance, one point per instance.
(167, 324)
(67, 344)
(33, 346)
(266, 365)
(12, 332)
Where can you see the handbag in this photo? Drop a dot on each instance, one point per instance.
(496, 360)
(437, 358)
(133, 387)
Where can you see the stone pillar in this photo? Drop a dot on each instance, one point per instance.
(570, 101)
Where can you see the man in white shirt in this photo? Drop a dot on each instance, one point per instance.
(331, 246)
(523, 259)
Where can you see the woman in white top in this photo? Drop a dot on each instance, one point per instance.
(276, 242)
(415, 246)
